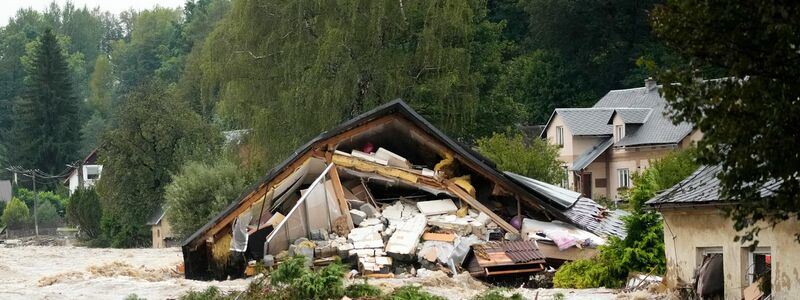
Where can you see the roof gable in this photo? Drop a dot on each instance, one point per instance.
(394, 111)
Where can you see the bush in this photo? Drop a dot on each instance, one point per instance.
(57, 201)
(409, 292)
(84, 211)
(288, 271)
(16, 214)
(199, 192)
(362, 290)
(211, 293)
(643, 247)
(46, 214)
(498, 294)
(326, 284)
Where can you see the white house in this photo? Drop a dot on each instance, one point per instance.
(86, 174)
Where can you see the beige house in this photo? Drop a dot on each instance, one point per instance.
(696, 231)
(604, 145)
(161, 230)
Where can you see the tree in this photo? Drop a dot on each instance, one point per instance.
(16, 214)
(348, 59)
(46, 117)
(155, 134)
(642, 249)
(200, 191)
(85, 211)
(536, 159)
(749, 115)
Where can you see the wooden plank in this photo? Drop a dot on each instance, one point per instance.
(253, 197)
(339, 191)
(480, 207)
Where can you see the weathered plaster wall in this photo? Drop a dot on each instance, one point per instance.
(688, 230)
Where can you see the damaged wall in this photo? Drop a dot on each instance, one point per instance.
(687, 231)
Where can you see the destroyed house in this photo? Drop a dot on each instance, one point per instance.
(376, 185)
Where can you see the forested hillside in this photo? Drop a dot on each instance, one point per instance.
(290, 69)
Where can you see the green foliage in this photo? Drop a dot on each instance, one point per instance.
(2, 209)
(289, 271)
(536, 159)
(498, 294)
(325, 284)
(586, 273)
(749, 116)
(643, 247)
(46, 214)
(48, 100)
(84, 210)
(154, 137)
(210, 293)
(134, 297)
(558, 296)
(361, 290)
(57, 201)
(16, 214)
(409, 292)
(199, 191)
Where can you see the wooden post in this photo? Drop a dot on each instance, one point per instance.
(339, 191)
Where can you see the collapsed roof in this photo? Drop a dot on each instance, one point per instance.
(419, 158)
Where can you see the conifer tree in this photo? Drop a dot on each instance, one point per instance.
(46, 128)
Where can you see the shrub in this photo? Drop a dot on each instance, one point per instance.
(643, 247)
(361, 290)
(46, 214)
(211, 293)
(409, 292)
(498, 294)
(16, 214)
(84, 210)
(289, 271)
(200, 191)
(134, 297)
(326, 284)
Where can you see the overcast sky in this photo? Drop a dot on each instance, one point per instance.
(9, 7)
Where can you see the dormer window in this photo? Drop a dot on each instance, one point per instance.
(560, 135)
(619, 132)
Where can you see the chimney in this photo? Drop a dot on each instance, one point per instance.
(650, 84)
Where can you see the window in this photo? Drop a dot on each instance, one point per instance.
(710, 273)
(759, 265)
(559, 135)
(92, 172)
(619, 132)
(624, 178)
(565, 180)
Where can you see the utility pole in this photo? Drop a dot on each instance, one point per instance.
(35, 203)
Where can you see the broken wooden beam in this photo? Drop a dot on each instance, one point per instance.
(474, 203)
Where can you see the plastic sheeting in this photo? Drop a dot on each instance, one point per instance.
(240, 236)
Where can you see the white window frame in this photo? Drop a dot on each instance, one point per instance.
(560, 135)
(619, 132)
(565, 180)
(626, 179)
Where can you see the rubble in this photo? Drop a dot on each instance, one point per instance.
(412, 203)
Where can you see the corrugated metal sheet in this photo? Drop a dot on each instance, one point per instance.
(590, 155)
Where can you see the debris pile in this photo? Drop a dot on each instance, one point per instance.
(388, 197)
